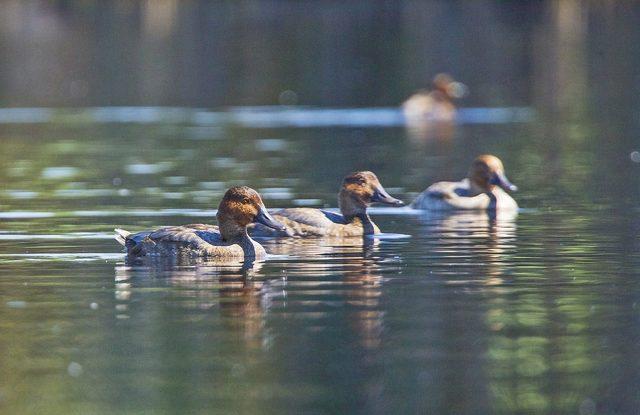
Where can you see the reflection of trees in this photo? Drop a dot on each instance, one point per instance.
(583, 67)
(549, 328)
(560, 85)
(182, 53)
(333, 305)
(470, 257)
(546, 322)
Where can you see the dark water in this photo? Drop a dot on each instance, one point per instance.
(462, 314)
(458, 314)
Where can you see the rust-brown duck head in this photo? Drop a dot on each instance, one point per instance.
(359, 190)
(240, 206)
(451, 88)
(487, 172)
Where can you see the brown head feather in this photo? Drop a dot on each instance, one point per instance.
(483, 169)
(441, 82)
(448, 88)
(238, 208)
(357, 190)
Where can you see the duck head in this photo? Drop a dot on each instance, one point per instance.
(487, 172)
(239, 207)
(359, 190)
(452, 89)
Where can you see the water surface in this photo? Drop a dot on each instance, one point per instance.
(459, 314)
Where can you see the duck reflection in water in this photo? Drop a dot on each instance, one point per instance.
(234, 290)
(341, 273)
(339, 284)
(366, 316)
(483, 242)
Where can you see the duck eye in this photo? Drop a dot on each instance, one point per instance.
(355, 180)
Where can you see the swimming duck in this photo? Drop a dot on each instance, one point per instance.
(239, 207)
(358, 191)
(434, 105)
(482, 190)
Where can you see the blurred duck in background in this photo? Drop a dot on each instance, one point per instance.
(359, 190)
(436, 105)
(239, 207)
(485, 189)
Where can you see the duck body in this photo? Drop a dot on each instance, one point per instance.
(195, 240)
(426, 106)
(435, 105)
(444, 196)
(484, 189)
(358, 191)
(239, 207)
(302, 222)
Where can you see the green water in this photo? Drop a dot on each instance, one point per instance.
(457, 314)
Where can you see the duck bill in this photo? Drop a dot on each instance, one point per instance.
(458, 90)
(499, 179)
(381, 196)
(263, 217)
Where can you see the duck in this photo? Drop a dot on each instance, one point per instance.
(485, 189)
(434, 105)
(240, 206)
(359, 190)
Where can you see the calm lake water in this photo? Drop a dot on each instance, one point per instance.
(458, 314)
